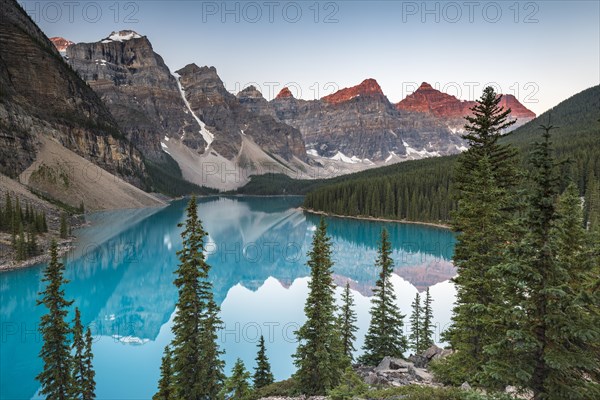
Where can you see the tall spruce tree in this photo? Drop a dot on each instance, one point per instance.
(165, 384)
(547, 343)
(427, 325)
(319, 357)
(385, 336)
(592, 201)
(55, 378)
(476, 255)
(262, 372)
(485, 181)
(89, 383)
(348, 319)
(197, 367)
(236, 387)
(212, 373)
(414, 338)
(78, 368)
(483, 130)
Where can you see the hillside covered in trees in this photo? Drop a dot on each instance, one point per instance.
(422, 190)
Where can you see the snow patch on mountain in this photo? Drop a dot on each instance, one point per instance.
(206, 134)
(420, 153)
(165, 148)
(122, 36)
(339, 156)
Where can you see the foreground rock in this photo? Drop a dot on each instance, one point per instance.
(432, 353)
(395, 372)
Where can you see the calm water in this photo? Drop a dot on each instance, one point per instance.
(122, 271)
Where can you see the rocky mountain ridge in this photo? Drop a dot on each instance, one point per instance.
(41, 97)
(360, 125)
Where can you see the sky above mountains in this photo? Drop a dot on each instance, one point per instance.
(540, 51)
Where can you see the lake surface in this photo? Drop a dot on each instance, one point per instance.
(121, 277)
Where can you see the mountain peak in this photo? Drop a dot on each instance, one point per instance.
(251, 92)
(368, 87)
(426, 99)
(61, 43)
(122, 36)
(196, 70)
(285, 93)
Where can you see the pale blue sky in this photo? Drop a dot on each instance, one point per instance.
(541, 51)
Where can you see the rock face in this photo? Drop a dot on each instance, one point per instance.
(519, 111)
(360, 123)
(41, 96)
(231, 117)
(139, 90)
(452, 111)
(432, 353)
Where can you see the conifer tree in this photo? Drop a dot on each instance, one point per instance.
(548, 348)
(31, 242)
(385, 336)
(18, 211)
(55, 379)
(14, 230)
(262, 372)
(212, 375)
(197, 367)
(165, 384)
(486, 181)
(592, 201)
(484, 127)
(427, 325)
(45, 222)
(414, 337)
(21, 246)
(348, 322)
(236, 387)
(78, 363)
(319, 357)
(89, 383)
(64, 231)
(8, 212)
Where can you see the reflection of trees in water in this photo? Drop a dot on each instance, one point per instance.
(407, 239)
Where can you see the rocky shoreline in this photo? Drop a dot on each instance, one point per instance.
(63, 247)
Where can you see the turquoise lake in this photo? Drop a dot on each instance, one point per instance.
(121, 275)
